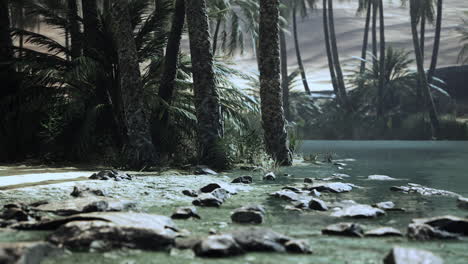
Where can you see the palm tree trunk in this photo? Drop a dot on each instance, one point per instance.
(7, 70)
(90, 26)
(215, 36)
(422, 31)
(74, 29)
(336, 58)
(139, 151)
(435, 52)
(284, 74)
(366, 38)
(298, 53)
(382, 62)
(329, 53)
(374, 29)
(166, 89)
(67, 43)
(210, 129)
(275, 134)
(429, 102)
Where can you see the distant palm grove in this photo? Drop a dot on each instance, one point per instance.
(149, 83)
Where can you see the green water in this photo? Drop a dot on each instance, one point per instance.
(441, 165)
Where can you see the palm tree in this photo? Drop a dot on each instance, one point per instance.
(6, 50)
(463, 31)
(284, 66)
(210, 129)
(329, 53)
(435, 51)
(424, 85)
(139, 150)
(297, 47)
(276, 137)
(365, 5)
(74, 29)
(382, 60)
(336, 58)
(374, 28)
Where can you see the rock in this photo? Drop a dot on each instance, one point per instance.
(341, 164)
(448, 223)
(204, 170)
(308, 180)
(190, 193)
(243, 179)
(385, 205)
(289, 195)
(13, 213)
(292, 188)
(317, 204)
(383, 232)
(344, 229)
(341, 175)
(422, 190)
(86, 205)
(221, 193)
(358, 211)
(218, 246)
(209, 188)
(381, 178)
(462, 202)
(79, 191)
(260, 239)
(134, 233)
(399, 255)
(269, 177)
(252, 214)
(315, 193)
(27, 252)
(111, 174)
(426, 232)
(334, 187)
(298, 246)
(185, 213)
(292, 208)
(287, 175)
(207, 200)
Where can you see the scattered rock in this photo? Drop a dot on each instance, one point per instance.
(288, 195)
(190, 193)
(287, 175)
(292, 208)
(86, 205)
(358, 211)
(344, 229)
(243, 179)
(341, 175)
(14, 213)
(209, 188)
(79, 191)
(252, 214)
(426, 232)
(298, 246)
(317, 204)
(221, 193)
(218, 246)
(269, 177)
(462, 202)
(383, 232)
(308, 180)
(422, 190)
(334, 187)
(111, 175)
(27, 252)
(260, 239)
(185, 213)
(399, 255)
(381, 178)
(385, 205)
(204, 170)
(207, 200)
(340, 164)
(448, 223)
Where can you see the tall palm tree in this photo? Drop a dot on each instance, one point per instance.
(6, 50)
(74, 28)
(381, 60)
(297, 48)
(284, 73)
(424, 85)
(275, 134)
(435, 51)
(210, 129)
(374, 28)
(139, 150)
(365, 5)
(336, 58)
(331, 66)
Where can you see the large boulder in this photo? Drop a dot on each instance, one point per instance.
(462, 202)
(209, 188)
(260, 239)
(185, 213)
(358, 211)
(344, 229)
(426, 232)
(317, 204)
(447, 223)
(27, 252)
(399, 255)
(334, 187)
(422, 190)
(218, 246)
(243, 179)
(80, 191)
(116, 230)
(383, 232)
(269, 176)
(207, 200)
(111, 175)
(251, 214)
(86, 205)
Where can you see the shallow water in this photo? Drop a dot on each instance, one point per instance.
(441, 165)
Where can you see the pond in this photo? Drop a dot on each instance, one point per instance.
(441, 165)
